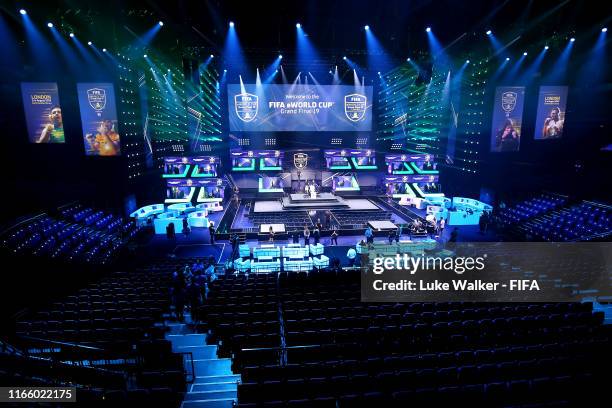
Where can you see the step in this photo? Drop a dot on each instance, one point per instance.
(205, 379)
(182, 340)
(213, 403)
(220, 366)
(208, 395)
(208, 352)
(215, 386)
(178, 328)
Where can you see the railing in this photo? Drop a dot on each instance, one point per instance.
(188, 355)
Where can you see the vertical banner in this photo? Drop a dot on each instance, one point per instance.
(42, 112)
(99, 119)
(507, 118)
(551, 112)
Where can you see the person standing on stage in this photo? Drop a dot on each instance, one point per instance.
(319, 225)
(316, 234)
(369, 234)
(186, 230)
(441, 227)
(211, 230)
(334, 236)
(327, 219)
(399, 234)
(271, 234)
(391, 237)
(306, 235)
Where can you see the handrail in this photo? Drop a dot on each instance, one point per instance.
(193, 376)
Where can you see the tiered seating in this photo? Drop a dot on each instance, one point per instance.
(243, 312)
(294, 220)
(530, 208)
(359, 219)
(340, 352)
(110, 326)
(83, 234)
(576, 223)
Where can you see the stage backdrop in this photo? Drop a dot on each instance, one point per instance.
(507, 118)
(99, 119)
(551, 112)
(303, 108)
(43, 112)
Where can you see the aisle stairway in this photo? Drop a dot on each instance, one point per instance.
(214, 386)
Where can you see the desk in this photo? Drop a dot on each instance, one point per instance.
(265, 228)
(382, 225)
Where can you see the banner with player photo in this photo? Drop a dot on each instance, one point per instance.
(43, 112)
(99, 119)
(550, 119)
(507, 118)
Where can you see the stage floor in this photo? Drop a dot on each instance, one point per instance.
(349, 204)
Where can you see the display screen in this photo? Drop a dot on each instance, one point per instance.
(551, 112)
(337, 163)
(345, 183)
(305, 108)
(43, 112)
(270, 185)
(178, 193)
(243, 164)
(507, 118)
(99, 119)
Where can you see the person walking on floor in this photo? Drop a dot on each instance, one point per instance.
(306, 235)
(334, 236)
(211, 230)
(369, 234)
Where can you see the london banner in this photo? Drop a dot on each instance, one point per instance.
(99, 119)
(43, 112)
(306, 108)
(550, 119)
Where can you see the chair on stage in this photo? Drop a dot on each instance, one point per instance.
(294, 252)
(316, 249)
(244, 251)
(267, 266)
(266, 250)
(320, 262)
(242, 265)
(299, 265)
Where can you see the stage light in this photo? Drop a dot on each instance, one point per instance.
(367, 27)
(71, 35)
(298, 25)
(489, 32)
(428, 29)
(604, 30)
(161, 23)
(212, 56)
(280, 56)
(467, 61)
(50, 25)
(507, 58)
(231, 24)
(408, 59)
(145, 56)
(525, 53)
(89, 43)
(546, 47)
(344, 58)
(225, 70)
(23, 12)
(103, 49)
(378, 73)
(572, 39)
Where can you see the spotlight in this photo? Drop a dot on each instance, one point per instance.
(367, 27)
(50, 25)
(212, 56)
(89, 43)
(168, 69)
(145, 56)
(546, 47)
(428, 29)
(276, 71)
(507, 58)
(280, 56)
(467, 61)
(298, 25)
(71, 35)
(525, 53)
(604, 30)
(572, 39)
(408, 59)
(161, 23)
(231, 24)
(23, 12)
(225, 70)
(378, 73)
(344, 58)
(489, 32)
(103, 49)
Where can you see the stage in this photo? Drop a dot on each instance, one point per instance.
(306, 204)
